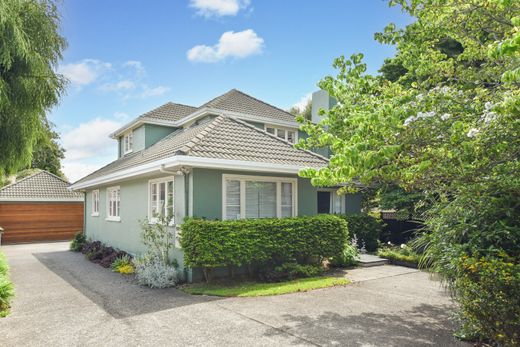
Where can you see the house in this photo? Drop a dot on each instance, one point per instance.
(40, 207)
(232, 157)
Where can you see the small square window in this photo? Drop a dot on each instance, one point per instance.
(280, 133)
(270, 130)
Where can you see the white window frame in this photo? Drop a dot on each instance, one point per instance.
(278, 180)
(286, 136)
(333, 196)
(108, 193)
(128, 142)
(95, 203)
(151, 218)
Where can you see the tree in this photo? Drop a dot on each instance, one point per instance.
(442, 119)
(306, 113)
(48, 153)
(29, 86)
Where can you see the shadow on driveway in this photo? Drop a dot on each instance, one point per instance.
(423, 325)
(117, 294)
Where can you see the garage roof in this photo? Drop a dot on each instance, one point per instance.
(41, 186)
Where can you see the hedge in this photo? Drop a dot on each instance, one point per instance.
(210, 244)
(365, 228)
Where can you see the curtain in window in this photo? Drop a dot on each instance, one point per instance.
(233, 199)
(260, 199)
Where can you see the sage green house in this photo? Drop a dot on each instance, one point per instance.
(230, 158)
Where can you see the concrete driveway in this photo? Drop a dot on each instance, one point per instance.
(64, 300)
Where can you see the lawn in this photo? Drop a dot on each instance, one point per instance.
(245, 289)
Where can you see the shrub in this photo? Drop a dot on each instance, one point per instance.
(489, 297)
(159, 238)
(403, 253)
(123, 265)
(365, 229)
(78, 242)
(346, 258)
(6, 286)
(210, 244)
(100, 254)
(289, 271)
(155, 273)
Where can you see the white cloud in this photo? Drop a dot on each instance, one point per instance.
(90, 139)
(219, 8)
(302, 103)
(230, 45)
(85, 71)
(74, 170)
(137, 65)
(153, 91)
(123, 85)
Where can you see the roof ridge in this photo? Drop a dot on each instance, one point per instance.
(276, 137)
(163, 105)
(188, 147)
(33, 175)
(263, 102)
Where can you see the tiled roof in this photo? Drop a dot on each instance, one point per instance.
(222, 138)
(237, 101)
(169, 112)
(40, 186)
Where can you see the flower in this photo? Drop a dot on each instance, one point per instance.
(472, 132)
(409, 120)
(445, 116)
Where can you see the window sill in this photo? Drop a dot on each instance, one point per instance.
(94, 214)
(113, 219)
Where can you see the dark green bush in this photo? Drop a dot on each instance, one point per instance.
(304, 240)
(78, 242)
(346, 258)
(289, 271)
(6, 286)
(365, 228)
(489, 296)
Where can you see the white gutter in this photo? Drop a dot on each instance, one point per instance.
(199, 113)
(189, 161)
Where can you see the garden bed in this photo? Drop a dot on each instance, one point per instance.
(252, 289)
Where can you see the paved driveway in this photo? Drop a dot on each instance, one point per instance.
(64, 300)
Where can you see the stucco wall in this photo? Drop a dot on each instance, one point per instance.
(207, 192)
(154, 133)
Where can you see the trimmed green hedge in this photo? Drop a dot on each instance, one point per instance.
(365, 228)
(210, 244)
(6, 286)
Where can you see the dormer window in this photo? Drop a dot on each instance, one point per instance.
(284, 134)
(128, 142)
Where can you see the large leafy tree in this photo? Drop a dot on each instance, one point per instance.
(30, 48)
(442, 119)
(48, 153)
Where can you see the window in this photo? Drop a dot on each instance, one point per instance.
(161, 199)
(284, 134)
(113, 203)
(258, 197)
(128, 142)
(95, 202)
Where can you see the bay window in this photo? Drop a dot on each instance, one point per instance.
(113, 203)
(258, 197)
(160, 199)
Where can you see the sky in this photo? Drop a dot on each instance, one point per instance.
(127, 57)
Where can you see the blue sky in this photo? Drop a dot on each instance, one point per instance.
(127, 57)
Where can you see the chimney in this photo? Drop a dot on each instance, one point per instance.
(321, 100)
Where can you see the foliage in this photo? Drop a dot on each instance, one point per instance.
(123, 265)
(403, 253)
(289, 271)
(251, 289)
(210, 244)
(365, 229)
(159, 238)
(47, 152)
(29, 85)
(77, 243)
(100, 254)
(6, 286)
(349, 256)
(306, 113)
(155, 273)
(489, 292)
(445, 125)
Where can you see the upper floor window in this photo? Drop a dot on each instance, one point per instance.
(113, 203)
(95, 202)
(284, 134)
(258, 197)
(160, 200)
(128, 142)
